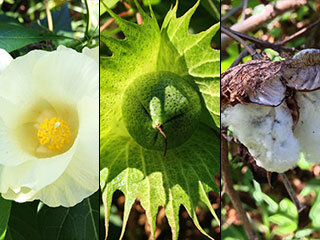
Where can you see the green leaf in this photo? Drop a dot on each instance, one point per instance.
(5, 207)
(285, 224)
(37, 221)
(186, 174)
(314, 212)
(107, 3)
(289, 209)
(304, 233)
(14, 36)
(286, 219)
(23, 222)
(79, 222)
(312, 186)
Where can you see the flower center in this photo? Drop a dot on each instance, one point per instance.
(54, 133)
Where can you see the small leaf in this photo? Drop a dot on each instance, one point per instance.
(14, 36)
(108, 3)
(313, 185)
(285, 224)
(304, 233)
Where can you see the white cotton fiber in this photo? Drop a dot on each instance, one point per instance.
(308, 128)
(266, 132)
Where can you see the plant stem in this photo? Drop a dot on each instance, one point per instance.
(300, 32)
(233, 195)
(252, 52)
(49, 17)
(291, 192)
(88, 19)
(159, 128)
(275, 46)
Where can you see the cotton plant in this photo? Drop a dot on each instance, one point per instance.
(273, 109)
(159, 114)
(49, 126)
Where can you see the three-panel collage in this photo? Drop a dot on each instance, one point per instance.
(160, 120)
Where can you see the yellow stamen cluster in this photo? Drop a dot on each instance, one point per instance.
(54, 132)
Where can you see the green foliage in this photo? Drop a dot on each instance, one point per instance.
(37, 221)
(186, 174)
(286, 218)
(5, 207)
(14, 36)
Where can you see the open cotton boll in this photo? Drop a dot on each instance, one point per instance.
(266, 132)
(307, 130)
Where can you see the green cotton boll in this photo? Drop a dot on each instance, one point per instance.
(161, 110)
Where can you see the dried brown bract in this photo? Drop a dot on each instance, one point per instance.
(256, 81)
(302, 73)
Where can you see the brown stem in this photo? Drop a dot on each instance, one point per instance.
(233, 195)
(159, 128)
(257, 20)
(241, 55)
(231, 12)
(300, 32)
(252, 52)
(275, 46)
(291, 192)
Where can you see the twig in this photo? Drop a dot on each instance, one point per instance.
(300, 32)
(275, 46)
(243, 54)
(291, 192)
(257, 20)
(252, 52)
(231, 12)
(233, 195)
(245, 5)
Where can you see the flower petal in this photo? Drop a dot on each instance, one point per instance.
(5, 59)
(66, 75)
(35, 173)
(92, 52)
(81, 178)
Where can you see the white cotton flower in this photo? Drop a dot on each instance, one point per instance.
(266, 132)
(307, 130)
(5, 59)
(91, 52)
(49, 127)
